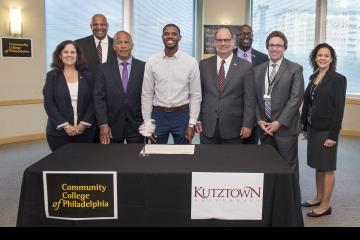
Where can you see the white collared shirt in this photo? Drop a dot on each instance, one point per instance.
(226, 64)
(270, 67)
(104, 47)
(171, 82)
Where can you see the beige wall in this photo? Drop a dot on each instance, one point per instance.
(23, 78)
(223, 12)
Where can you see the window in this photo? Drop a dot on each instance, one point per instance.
(69, 19)
(343, 33)
(150, 16)
(296, 19)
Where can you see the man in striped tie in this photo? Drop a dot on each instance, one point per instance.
(279, 87)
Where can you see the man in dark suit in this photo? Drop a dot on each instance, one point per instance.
(246, 52)
(94, 53)
(228, 95)
(117, 94)
(279, 87)
(97, 48)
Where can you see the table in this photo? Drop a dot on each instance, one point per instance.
(155, 190)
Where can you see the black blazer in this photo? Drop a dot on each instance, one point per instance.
(57, 102)
(88, 49)
(112, 104)
(256, 56)
(327, 109)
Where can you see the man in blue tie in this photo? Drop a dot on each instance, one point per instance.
(117, 94)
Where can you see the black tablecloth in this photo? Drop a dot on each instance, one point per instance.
(156, 190)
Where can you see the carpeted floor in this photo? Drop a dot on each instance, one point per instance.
(14, 158)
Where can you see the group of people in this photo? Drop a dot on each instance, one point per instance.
(98, 92)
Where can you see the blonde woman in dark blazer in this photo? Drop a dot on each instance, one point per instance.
(322, 115)
(68, 98)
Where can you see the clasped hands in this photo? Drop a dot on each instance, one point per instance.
(74, 130)
(269, 128)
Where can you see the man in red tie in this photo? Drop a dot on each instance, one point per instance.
(227, 108)
(97, 48)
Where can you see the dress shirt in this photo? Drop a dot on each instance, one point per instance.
(240, 54)
(171, 82)
(104, 47)
(129, 61)
(269, 72)
(226, 64)
(73, 89)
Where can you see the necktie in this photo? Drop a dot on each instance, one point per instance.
(125, 75)
(268, 102)
(221, 76)
(99, 51)
(245, 56)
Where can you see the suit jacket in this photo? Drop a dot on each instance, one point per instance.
(327, 108)
(112, 105)
(234, 106)
(89, 51)
(286, 96)
(256, 56)
(57, 102)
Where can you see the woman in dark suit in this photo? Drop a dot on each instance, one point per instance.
(68, 98)
(322, 115)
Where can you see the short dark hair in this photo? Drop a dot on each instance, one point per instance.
(58, 65)
(314, 53)
(246, 25)
(172, 25)
(277, 34)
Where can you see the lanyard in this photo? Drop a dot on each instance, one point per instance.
(271, 83)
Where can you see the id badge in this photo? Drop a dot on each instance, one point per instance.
(267, 97)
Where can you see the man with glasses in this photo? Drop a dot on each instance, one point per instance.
(171, 91)
(227, 108)
(246, 52)
(279, 87)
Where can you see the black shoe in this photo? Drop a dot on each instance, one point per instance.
(307, 204)
(314, 214)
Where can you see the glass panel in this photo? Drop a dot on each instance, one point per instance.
(296, 19)
(343, 34)
(69, 19)
(150, 16)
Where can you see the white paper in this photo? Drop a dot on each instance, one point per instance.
(168, 149)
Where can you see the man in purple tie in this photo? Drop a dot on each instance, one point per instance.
(248, 53)
(117, 94)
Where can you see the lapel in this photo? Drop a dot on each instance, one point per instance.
(233, 66)
(65, 87)
(325, 81)
(81, 90)
(93, 51)
(132, 76)
(115, 73)
(213, 69)
(280, 72)
(261, 78)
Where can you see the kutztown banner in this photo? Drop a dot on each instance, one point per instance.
(227, 196)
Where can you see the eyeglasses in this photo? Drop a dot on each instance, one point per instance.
(273, 46)
(225, 40)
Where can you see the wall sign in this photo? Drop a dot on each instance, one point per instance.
(16, 47)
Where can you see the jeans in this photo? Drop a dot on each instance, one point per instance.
(175, 123)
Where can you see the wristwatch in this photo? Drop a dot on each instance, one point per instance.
(191, 126)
